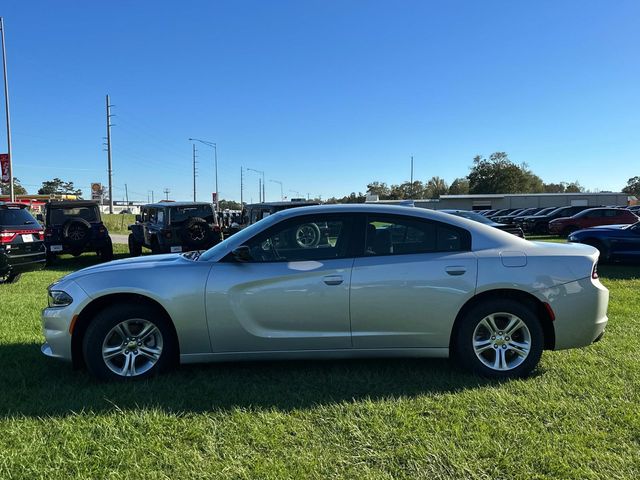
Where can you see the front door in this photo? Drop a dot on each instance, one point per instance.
(292, 295)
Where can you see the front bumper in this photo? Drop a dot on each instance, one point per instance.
(57, 321)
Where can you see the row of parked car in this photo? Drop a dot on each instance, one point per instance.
(562, 220)
(74, 227)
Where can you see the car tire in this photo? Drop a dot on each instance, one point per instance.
(540, 229)
(155, 246)
(10, 278)
(76, 232)
(483, 345)
(106, 252)
(604, 253)
(128, 341)
(196, 233)
(135, 249)
(307, 235)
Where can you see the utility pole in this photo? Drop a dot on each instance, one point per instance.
(260, 190)
(109, 166)
(411, 191)
(166, 193)
(126, 194)
(194, 172)
(152, 200)
(281, 190)
(241, 186)
(12, 196)
(213, 145)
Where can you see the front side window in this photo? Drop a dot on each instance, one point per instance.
(308, 238)
(390, 235)
(160, 216)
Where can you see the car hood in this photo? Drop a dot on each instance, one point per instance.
(610, 227)
(150, 261)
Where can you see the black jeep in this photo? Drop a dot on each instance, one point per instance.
(75, 227)
(169, 227)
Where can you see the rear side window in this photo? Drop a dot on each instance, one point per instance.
(15, 217)
(396, 235)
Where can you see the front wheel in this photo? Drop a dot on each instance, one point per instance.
(135, 249)
(106, 253)
(128, 341)
(499, 339)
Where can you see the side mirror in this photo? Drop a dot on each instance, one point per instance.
(139, 218)
(242, 254)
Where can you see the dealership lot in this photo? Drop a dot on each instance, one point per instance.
(575, 418)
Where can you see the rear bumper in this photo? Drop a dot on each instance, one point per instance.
(22, 263)
(580, 308)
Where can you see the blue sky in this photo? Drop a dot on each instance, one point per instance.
(324, 96)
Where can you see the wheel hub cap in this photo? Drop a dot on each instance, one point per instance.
(132, 347)
(501, 341)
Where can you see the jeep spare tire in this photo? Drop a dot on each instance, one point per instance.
(76, 232)
(196, 232)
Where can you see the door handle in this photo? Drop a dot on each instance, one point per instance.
(333, 279)
(455, 270)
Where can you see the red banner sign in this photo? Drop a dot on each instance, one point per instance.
(4, 166)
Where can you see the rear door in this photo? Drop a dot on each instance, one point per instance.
(411, 280)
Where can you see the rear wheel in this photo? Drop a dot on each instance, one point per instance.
(106, 253)
(604, 253)
(135, 249)
(499, 339)
(128, 341)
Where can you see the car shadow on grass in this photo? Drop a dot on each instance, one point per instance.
(35, 386)
(68, 263)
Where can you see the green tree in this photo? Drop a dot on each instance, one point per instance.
(17, 188)
(574, 187)
(498, 174)
(436, 187)
(460, 186)
(58, 187)
(633, 187)
(379, 188)
(229, 204)
(554, 187)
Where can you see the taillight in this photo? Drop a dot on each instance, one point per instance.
(167, 233)
(216, 228)
(7, 237)
(594, 272)
(40, 235)
(48, 232)
(102, 230)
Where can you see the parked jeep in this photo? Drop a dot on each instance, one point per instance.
(169, 227)
(75, 227)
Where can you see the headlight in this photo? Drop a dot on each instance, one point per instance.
(58, 298)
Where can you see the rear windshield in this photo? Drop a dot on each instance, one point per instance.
(15, 217)
(58, 216)
(180, 214)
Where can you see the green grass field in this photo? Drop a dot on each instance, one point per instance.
(577, 417)
(118, 223)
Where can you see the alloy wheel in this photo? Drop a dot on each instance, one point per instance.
(501, 341)
(132, 347)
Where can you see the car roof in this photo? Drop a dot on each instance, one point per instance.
(72, 203)
(176, 204)
(13, 205)
(281, 204)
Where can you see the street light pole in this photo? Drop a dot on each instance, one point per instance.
(213, 145)
(261, 191)
(12, 196)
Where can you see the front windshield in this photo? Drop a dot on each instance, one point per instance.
(239, 238)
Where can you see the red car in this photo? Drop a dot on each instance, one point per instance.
(591, 218)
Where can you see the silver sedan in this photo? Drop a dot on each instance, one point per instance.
(334, 282)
